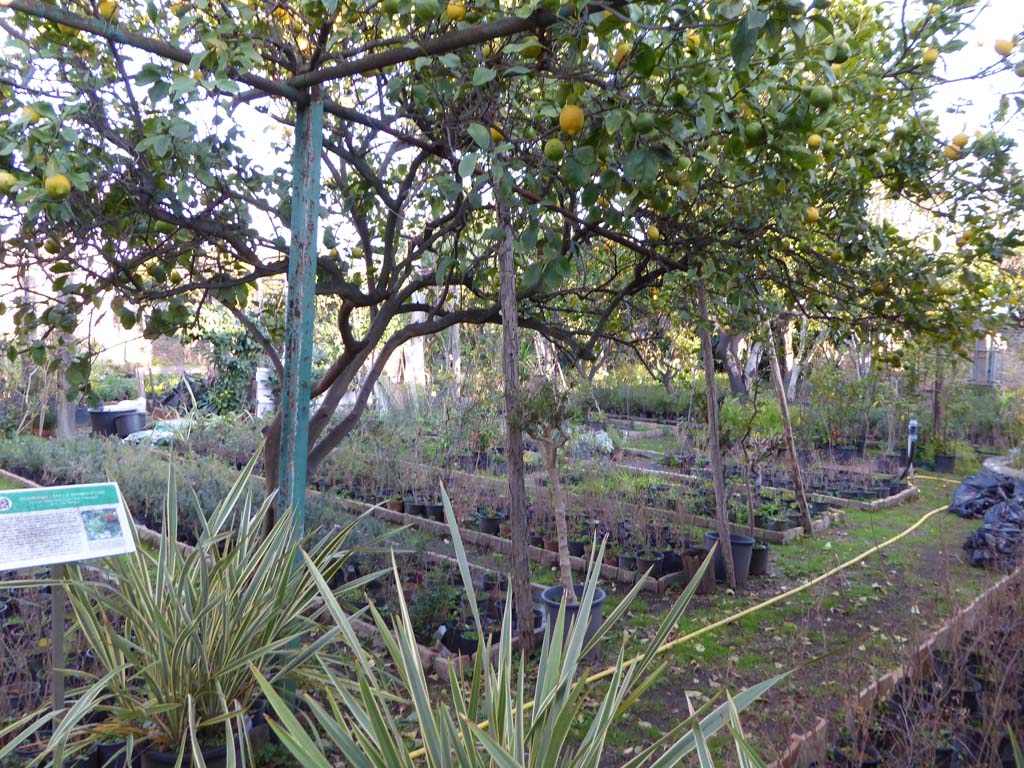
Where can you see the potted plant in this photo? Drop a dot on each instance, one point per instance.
(650, 558)
(489, 521)
(546, 412)
(434, 605)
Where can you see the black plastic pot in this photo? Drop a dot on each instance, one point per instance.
(846, 453)
(214, 757)
(102, 421)
(650, 559)
(114, 755)
(414, 507)
(627, 561)
(552, 599)
(433, 511)
(489, 524)
(468, 642)
(126, 423)
(742, 548)
(945, 463)
(759, 560)
(671, 562)
(536, 540)
(81, 415)
(577, 548)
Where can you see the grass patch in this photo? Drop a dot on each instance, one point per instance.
(835, 636)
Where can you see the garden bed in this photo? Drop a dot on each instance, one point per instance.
(915, 714)
(435, 656)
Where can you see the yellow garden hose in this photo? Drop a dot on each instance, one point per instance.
(772, 600)
(527, 706)
(940, 479)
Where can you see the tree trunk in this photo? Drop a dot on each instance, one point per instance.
(521, 592)
(714, 447)
(939, 404)
(787, 434)
(271, 466)
(725, 353)
(550, 449)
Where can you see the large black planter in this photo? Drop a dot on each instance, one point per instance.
(126, 423)
(552, 599)
(102, 421)
(742, 549)
(945, 463)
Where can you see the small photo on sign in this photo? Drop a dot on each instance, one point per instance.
(101, 524)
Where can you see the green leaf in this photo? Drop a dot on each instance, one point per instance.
(532, 275)
(483, 75)
(803, 157)
(467, 164)
(743, 43)
(480, 135)
(576, 173)
(641, 167)
(644, 59)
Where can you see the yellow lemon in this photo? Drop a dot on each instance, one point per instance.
(455, 11)
(7, 181)
(1004, 47)
(812, 214)
(108, 10)
(930, 56)
(960, 140)
(57, 185)
(30, 115)
(554, 150)
(951, 152)
(622, 50)
(570, 119)
(496, 135)
(814, 140)
(653, 233)
(532, 48)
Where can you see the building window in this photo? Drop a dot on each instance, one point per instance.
(988, 362)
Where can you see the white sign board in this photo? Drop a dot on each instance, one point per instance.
(45, 526)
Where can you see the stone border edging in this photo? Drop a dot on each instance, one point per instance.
(811, 746)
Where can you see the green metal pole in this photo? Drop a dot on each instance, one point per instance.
(300, 311)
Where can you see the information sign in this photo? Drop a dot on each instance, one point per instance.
(62, 524)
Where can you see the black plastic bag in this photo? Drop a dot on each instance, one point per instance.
(999, 500)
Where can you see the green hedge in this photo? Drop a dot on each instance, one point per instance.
(142, 475)
(654, 401)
